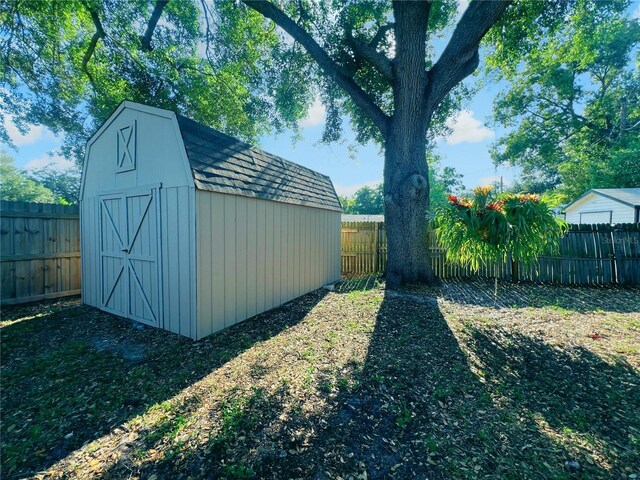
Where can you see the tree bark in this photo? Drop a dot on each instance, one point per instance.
(406, 184)
(406, 201)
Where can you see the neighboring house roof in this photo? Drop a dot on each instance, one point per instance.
(221, 163)
(627, 196)
(362, 218)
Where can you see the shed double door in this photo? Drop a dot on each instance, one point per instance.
(129, 255)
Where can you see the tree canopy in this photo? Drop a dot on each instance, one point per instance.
(16, 186)
(573, 106)
(251, 67)
(68, 64)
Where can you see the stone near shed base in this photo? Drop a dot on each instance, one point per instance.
(329, 286)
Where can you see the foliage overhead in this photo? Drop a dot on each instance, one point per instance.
(489, 228)
(67, 65)
(573, 105)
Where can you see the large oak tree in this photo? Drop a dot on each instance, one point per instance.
(250, 67)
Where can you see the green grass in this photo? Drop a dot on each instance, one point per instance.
(336, 384)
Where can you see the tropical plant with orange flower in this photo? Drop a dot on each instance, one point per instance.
(489, 227)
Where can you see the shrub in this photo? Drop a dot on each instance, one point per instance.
(487, 228)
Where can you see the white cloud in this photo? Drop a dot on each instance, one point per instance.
(466, 128)
(349, 190)
(316, 115)
(636, 12)
(55, 161)
(34, 133)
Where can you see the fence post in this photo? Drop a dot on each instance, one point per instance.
(376, 247)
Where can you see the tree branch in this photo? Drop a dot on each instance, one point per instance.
(145, 40)
(330, 68)
(460, 57)
(380, 34)
(93, 43)
(370, 54)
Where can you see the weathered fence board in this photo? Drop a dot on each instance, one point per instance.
(588, 255)
(39, 251)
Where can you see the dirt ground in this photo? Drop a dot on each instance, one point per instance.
(453, 382)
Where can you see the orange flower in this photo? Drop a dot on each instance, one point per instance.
(483, 191)
(453, 199)
(531, 197)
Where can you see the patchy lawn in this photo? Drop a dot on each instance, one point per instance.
(538, 382)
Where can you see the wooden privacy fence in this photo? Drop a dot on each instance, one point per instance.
(39, 251)
(588, 255)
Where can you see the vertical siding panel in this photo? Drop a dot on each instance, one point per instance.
(277, 257)
(89, 251)
(293, 259)
(265, 256)
(164, 249)
(327, 247)
(95, 209)
(252, 257)
(204, 240)
(230, 260)
(308, 250)
(178, 251)
(174, 265)
(284, 252)
(314, 258)
(300, 233)
(241, 259)
(319, 258)
(321, 247)
(83, 264)
(304, 249)
(218, 260)
(193, 271)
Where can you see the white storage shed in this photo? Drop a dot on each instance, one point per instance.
(187, 229)
(605, 205)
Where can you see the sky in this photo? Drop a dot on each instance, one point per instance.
(466, 148)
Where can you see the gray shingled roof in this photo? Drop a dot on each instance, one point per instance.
(223, 164)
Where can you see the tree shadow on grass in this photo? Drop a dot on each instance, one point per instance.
(569, 391)
(71, 373)
(481, 292)
(383, 385)
(427, 399)
(434, 403)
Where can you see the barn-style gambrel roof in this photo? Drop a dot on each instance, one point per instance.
(223, 164)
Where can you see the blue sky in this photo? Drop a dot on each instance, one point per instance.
(466, 149)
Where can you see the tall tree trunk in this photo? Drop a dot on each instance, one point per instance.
(406, 202)
(406, 184)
